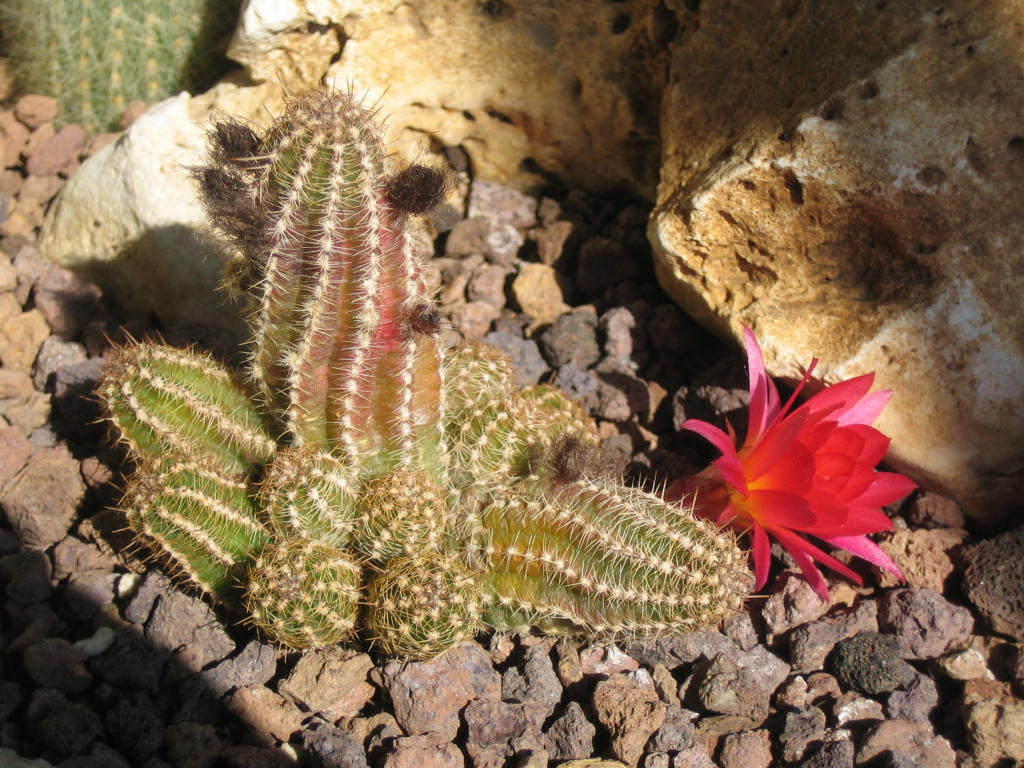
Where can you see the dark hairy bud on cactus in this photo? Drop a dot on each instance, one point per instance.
(361, 480)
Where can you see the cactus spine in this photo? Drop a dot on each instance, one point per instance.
(409, 478)
(96, 56)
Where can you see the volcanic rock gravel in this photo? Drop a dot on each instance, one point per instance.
(106, 662)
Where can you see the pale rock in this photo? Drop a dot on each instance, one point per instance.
(130, 218)
(844, 179)
(538, 292)
(571, 86)
(995, 729)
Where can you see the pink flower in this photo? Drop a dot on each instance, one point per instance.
(803, 471)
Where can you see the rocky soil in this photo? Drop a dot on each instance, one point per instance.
(106, 662)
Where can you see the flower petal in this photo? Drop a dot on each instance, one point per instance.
(762, 550)
(866, 549)
(712, 434)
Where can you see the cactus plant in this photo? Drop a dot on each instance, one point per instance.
(96, 56)
(361, 462)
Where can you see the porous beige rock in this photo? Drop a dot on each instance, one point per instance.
(570, 87)
(845, 180)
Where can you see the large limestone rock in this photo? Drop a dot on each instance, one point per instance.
(846, 180)
(527, 88)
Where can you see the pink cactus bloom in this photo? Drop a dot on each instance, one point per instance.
(805, 471)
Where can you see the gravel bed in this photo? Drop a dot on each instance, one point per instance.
(106, 662)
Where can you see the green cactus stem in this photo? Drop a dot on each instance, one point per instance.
(166, 401)
(304, 594)
(204, 522)
(422, 605)
(96, 56)
(311, 494)
(597, 558)
(339, 349)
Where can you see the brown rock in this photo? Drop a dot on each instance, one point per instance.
(473, 319)
(497, 730)
(266, 712)
(55, 663)
(852, 708)
(606, 660)
(924, 622)
(9, 307)
(488, 285)
(914, 742)
(14, 452)
(467, 236)
(631, 712)
(970, 663)
(57, 153)
(15, 137)
(426, 751)
(428, 695)
(792, 602)
(499, 112)
(72, 555)
(810, 644)
(994, 581)
(741, 684)
(28, 413)
(42, 499)
(538, 292)
(747, 749)
(933, 510)
(195, 745)
(248, 756)
(34, 110)
(36, 193)
(187, 625)
(995, 729)
(254, 665)
(926, 557)
(571, 734)
(21, 337)
(800, 730)
(67, 301)
(40, 135)
(551, 241)
(331, 681)
(827, 194)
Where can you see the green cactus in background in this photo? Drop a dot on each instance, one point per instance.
(96, 56)
(362, 478)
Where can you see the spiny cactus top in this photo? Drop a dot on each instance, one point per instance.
(360, 478)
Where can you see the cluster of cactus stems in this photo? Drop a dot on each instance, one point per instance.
(97, 56)
(359, 478)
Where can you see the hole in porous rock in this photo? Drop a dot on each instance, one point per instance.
(1016, 145)
(796, 189)
(664, 25)
(621, 23)
(931, 175)
(868, 90)
(496, 9)
(833, 109)
(501, 117)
